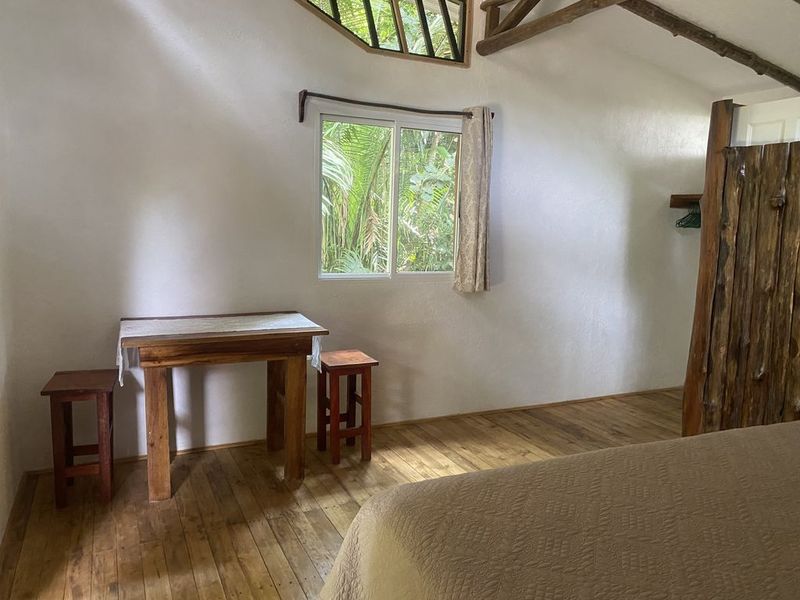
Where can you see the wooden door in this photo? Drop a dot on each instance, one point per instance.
(767, 123)
(750, 372)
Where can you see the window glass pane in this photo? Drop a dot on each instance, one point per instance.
(354, 18)
(384, 24)
(441, 43)
(427, 202)
(324, 5)
(413, 28)
(356, 197)
(454, 9)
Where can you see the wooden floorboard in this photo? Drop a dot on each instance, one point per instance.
(234, 530)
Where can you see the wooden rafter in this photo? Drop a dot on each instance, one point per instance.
(487, 4)
(492, 20)
(514, 17)
(683, 28)
(528, 30)
(510, 30)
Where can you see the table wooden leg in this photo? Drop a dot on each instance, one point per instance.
(155, 391)
(69, 456)
(104, 454)
(322, 396)
(295, 418)
(276, 395)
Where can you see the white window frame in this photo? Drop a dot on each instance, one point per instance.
(398, 120)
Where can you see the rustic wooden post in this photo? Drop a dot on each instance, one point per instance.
(723, 295)
(761, 370)
(719, 137)
(791, 406)
(785, 295)
(737, 344)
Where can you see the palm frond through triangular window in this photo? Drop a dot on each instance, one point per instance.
(434, 29)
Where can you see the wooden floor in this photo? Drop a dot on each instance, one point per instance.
(233, 530)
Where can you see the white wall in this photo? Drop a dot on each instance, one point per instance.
(9, 469)
(157, 167)
(9, 475)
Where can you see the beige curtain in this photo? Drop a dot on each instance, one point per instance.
(473, 215)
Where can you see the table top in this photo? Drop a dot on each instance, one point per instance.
(148, 331)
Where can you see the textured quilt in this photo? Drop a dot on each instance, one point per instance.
(714, 517)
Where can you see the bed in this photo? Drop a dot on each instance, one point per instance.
(711, 517)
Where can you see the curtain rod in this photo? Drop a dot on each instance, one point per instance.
(305, 95)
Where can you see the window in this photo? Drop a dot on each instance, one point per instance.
(430, 28)
(388, 196)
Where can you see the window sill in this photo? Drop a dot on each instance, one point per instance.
(353, 276)
(420, 275)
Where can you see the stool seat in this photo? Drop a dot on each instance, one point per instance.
(346, 359)
(82, 382)
(65, 388)
(349, 364)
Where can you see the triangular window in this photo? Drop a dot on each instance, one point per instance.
(432, 29)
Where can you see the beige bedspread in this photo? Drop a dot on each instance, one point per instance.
(715, 517)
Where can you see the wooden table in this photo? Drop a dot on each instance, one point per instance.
(284, 340)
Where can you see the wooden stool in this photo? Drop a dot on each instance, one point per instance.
(67, 387)
(336, 364)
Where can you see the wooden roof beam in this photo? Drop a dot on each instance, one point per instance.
(509, 32)
(515, 16)
(487, 4)
(680, 27)
(528, 30)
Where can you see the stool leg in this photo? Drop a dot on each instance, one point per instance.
(59, 447)
(111, 440)
(104, 445)
(351, 406)
(336, 451)
(69, 456)
(321, 395)
(366, 414)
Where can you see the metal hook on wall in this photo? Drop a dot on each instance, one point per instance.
(690, 202)
(691, 221)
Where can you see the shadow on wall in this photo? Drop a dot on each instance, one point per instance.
(132, 229)
(9, 471)
(661, 266)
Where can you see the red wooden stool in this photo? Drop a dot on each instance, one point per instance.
(351, 363)
(67, 387)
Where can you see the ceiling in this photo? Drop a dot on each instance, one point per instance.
(767, 27)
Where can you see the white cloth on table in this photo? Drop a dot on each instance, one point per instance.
(132, 328)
